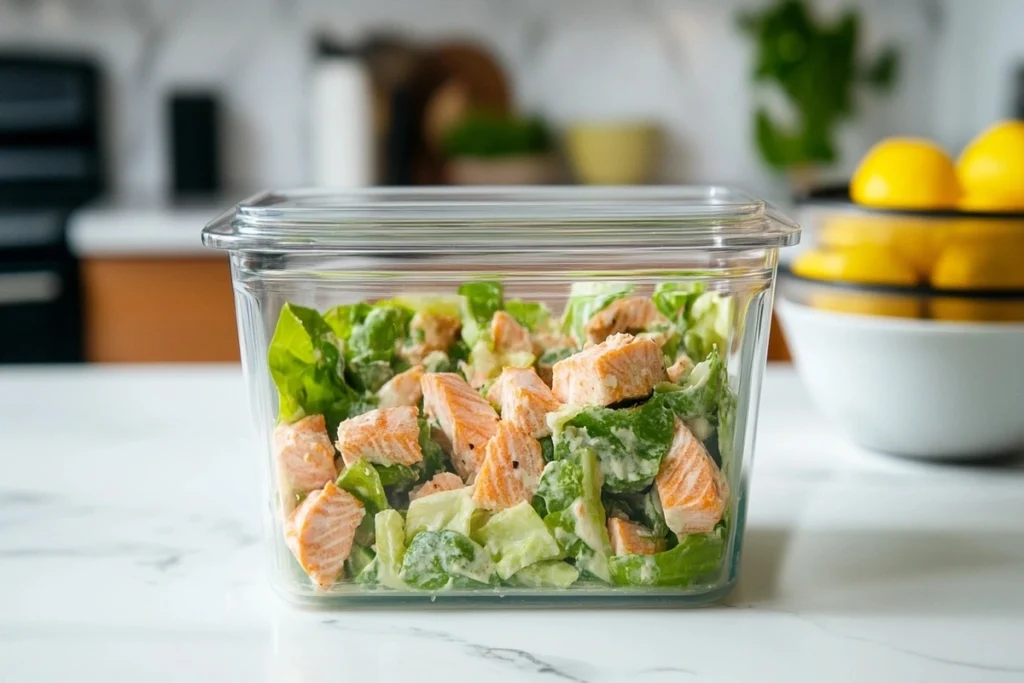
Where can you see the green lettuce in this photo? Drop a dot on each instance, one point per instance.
(377, 337)
(629, 442)
(448, 305)
(580, 529)
(561, 483)
(700, 395)
(674, 299)
(342, 319)
(546, 574)
(452, 510)
(362, 481)
(389, 530)
(587, 299)
(709, 325)
(308, 369)
(480, 301)
(516, 538)
(436, 560)
(696, 556)
(368, 375)
(531, 315)
(358, 560)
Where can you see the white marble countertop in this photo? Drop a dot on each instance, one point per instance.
(130, 550)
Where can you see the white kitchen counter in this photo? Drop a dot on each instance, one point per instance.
(129, 550)
(143, 229)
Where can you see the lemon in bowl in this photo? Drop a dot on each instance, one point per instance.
(906, 173)
(990, 169)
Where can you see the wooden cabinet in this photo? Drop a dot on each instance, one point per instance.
(149, 310)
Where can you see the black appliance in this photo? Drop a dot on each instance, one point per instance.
(51, 162)
(195, 144)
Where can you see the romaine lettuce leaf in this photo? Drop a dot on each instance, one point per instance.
(709, 325)
(358, 560)
(516, 538)
(308, 369)
(580, 528)
(362, 481)
(546, 574)
(390, 546)
(368, 375)
(700, 394)
(561, 483)
(480, 301)
(629, 442)
(453, 510)
(436, 560)
(587, 299)
(531, 315)
(696, 556)
(674, 299)
(449, 305)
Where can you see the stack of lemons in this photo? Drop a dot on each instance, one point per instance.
(952, 247)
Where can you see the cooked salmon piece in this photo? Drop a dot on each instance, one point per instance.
(619, 368)
(629, 538)
(443, 481)
(430, 332)
(386, 436)
(524, 399)
(465, 418)
(508, 334)
(681, 369)
(511, 469)
(402, 390)
(692, 490)
(632, 314)
(305, 455)
(320, 532)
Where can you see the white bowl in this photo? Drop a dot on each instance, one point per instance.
(917, 388)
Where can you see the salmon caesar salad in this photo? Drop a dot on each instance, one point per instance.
(473, 441)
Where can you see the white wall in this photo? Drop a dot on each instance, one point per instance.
(681, 62)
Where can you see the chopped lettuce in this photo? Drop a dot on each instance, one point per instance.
(551, 356)
(396, 476)
(362, 481)
(485, 362)
(587, 299)
(436, 560)
(358, 560)
(368, 575)
(448, 305)
(516, 538)
(561, 483)
(696, 556)
(438, 361)
(368, 375)
(342, 319)
(480, 301)
(547, 448)
(580, 528)
(546, 574)
(709, 325)
(390, 534)
(378, 335)
(530, 314)
(309, 370)
(629, 442)
(700, 394)
(674, 299)
(453, 510)
(433, 455)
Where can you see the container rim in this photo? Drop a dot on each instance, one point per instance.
(494, 219)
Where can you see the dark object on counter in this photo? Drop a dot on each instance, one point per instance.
(51, 162)
(195, 144)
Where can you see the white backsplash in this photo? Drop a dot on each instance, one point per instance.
(680, 62)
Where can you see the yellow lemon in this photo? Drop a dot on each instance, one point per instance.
(991, 169)
(980, 265)
(867, 264)
(906, 173)
(916, 241)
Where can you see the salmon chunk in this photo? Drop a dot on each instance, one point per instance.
(320, 532)
(466, 419)
(386, 436)
(693, 491)
(511, 469)
(632, 314)
(629, 538)
(430, 332)
(524, 399)
(305, 456)
(443, 481)
(619, 368)
(508, 334)
(402, 390)
(680, 370)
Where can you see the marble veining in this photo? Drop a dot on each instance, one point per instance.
(135, 553)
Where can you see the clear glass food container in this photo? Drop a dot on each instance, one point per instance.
(504, 396)
(941, 265)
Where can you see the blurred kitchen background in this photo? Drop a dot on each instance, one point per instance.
(125, 125)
